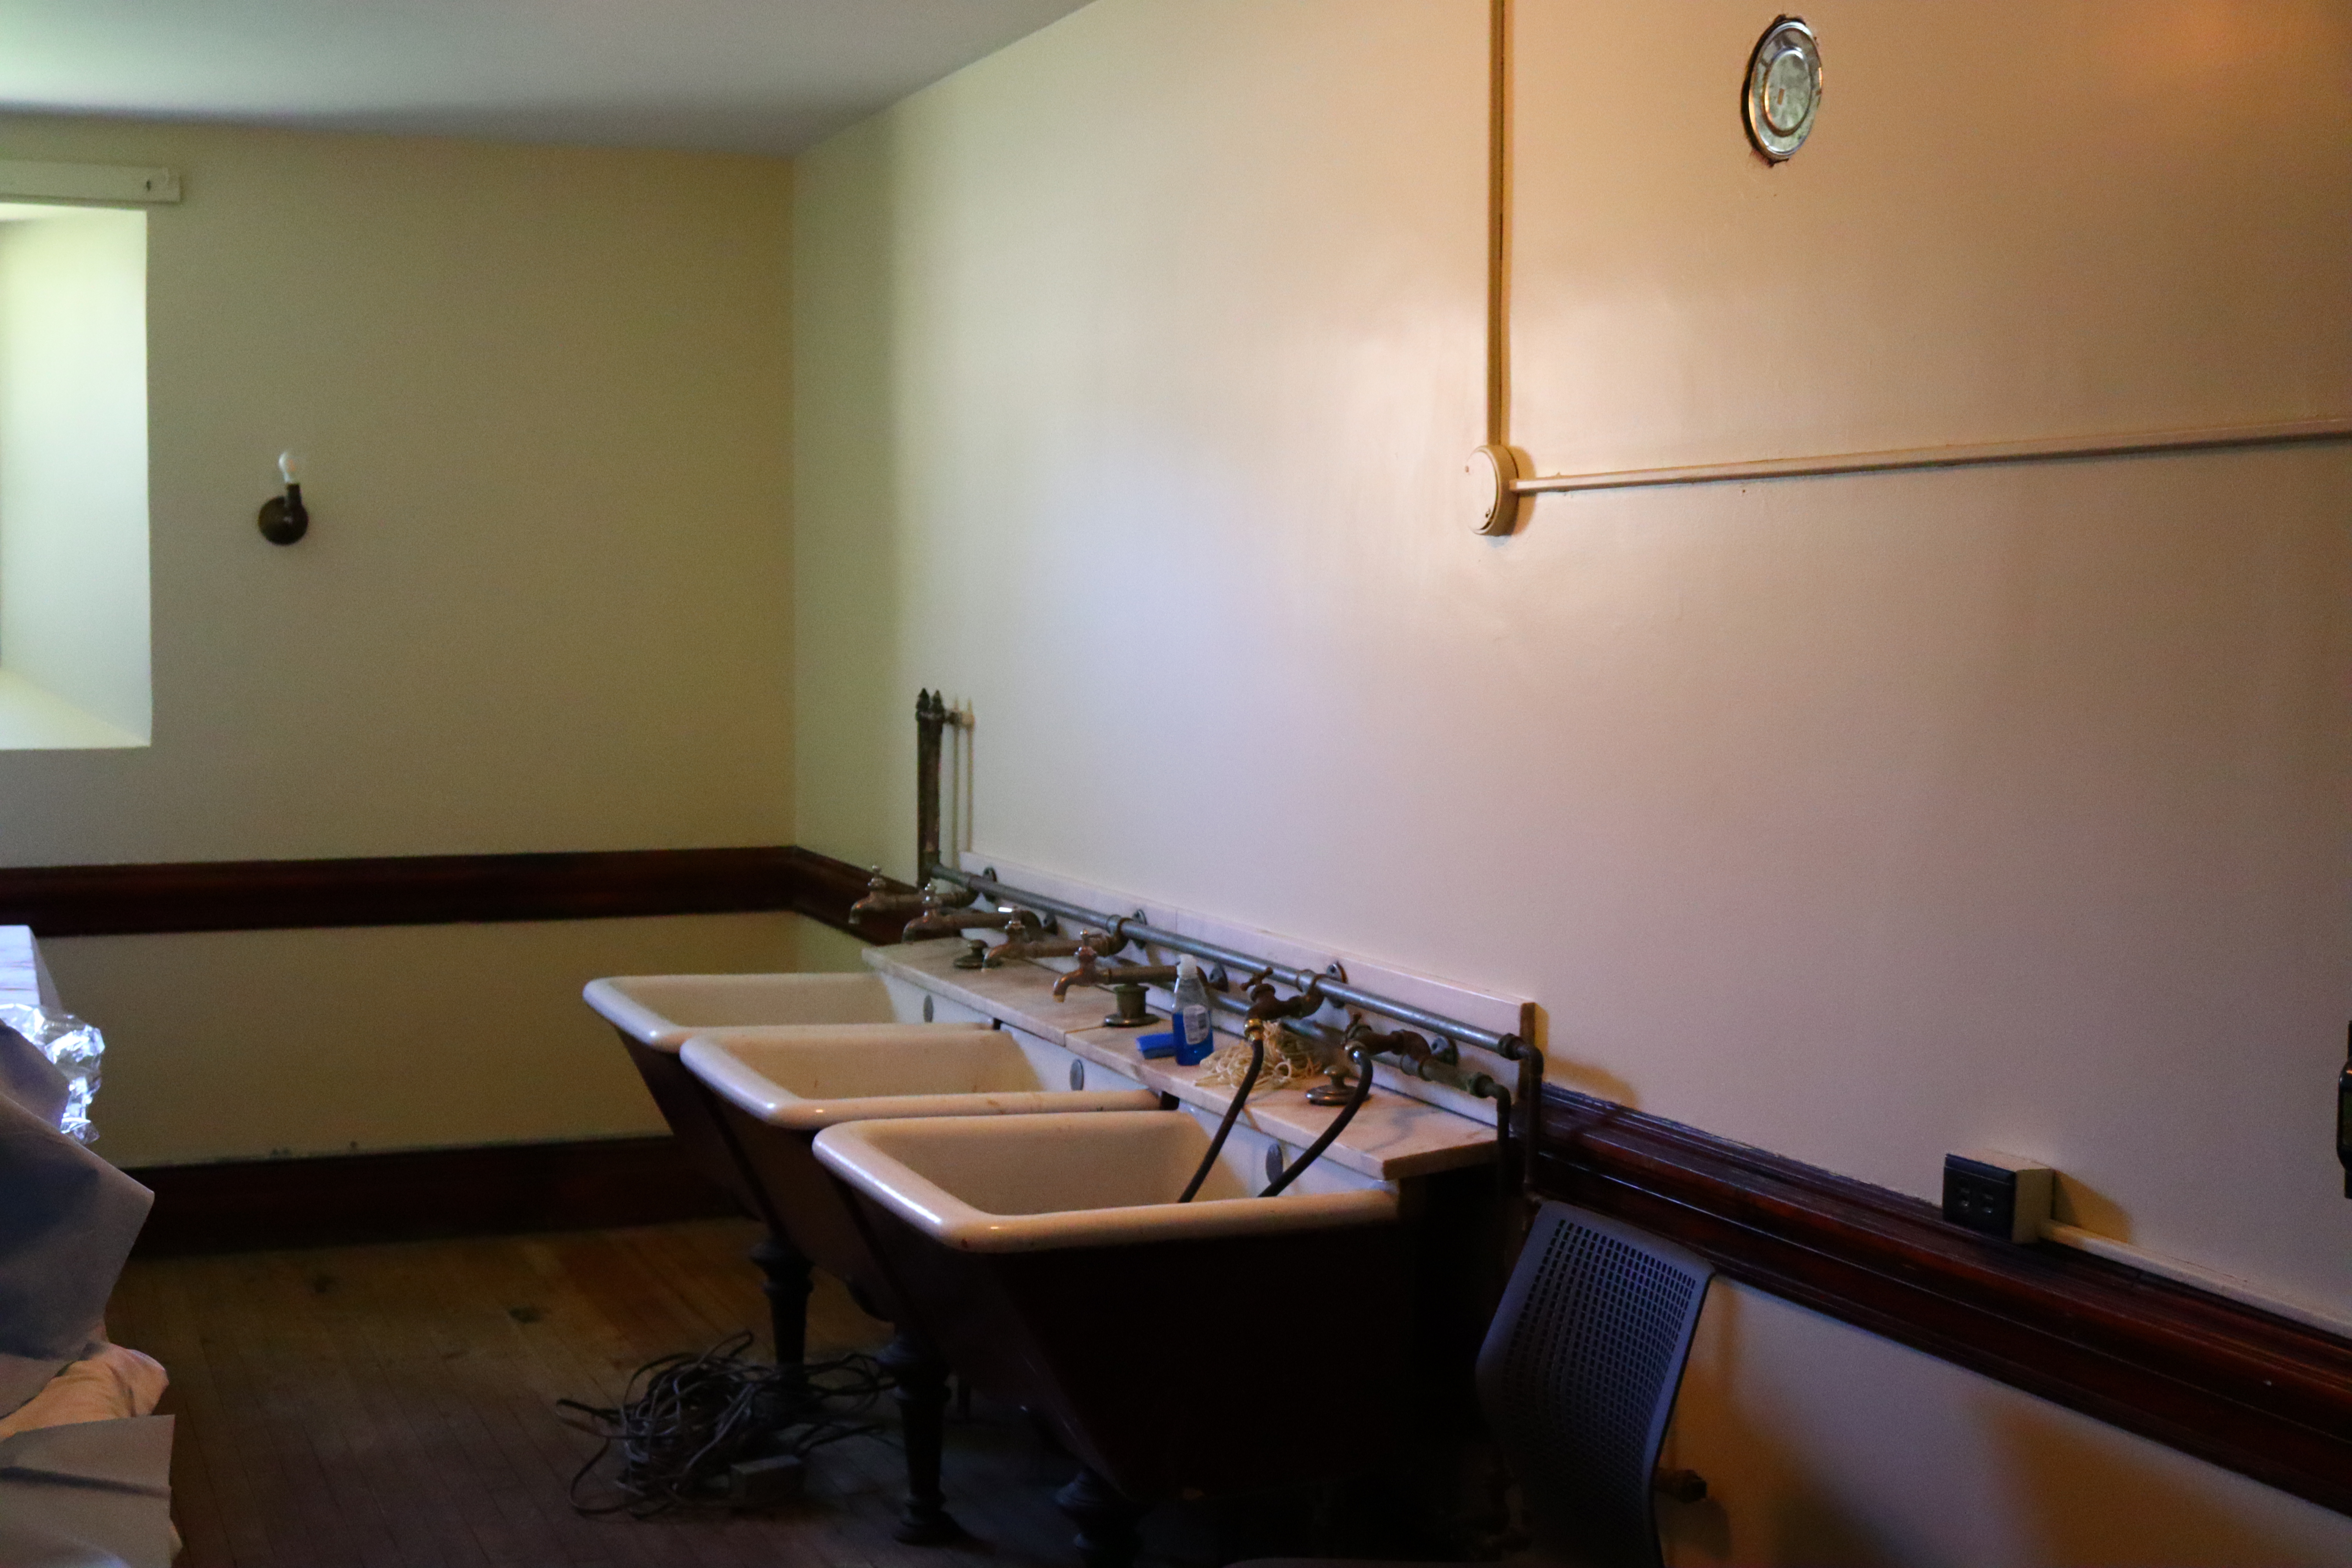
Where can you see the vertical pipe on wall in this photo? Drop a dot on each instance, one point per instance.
(1498, 226)
(931, 718)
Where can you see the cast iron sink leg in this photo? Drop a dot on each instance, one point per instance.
(785, 1273)
(922, 1379)
(1106, 1518)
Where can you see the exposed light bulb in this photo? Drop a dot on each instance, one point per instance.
(284, 519)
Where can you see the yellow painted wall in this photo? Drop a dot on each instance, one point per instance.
(247, 1044)
(1861, 818)
(544, 398)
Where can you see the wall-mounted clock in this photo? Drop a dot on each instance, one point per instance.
(1784, 89)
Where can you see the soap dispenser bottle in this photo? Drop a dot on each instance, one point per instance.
(1191, 1023)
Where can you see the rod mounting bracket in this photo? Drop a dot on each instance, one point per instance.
(1492, 478)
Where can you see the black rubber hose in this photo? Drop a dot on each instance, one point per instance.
(1339, 1124)
(1232, 1114)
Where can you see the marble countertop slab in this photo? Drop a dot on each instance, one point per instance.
(1392, 1138)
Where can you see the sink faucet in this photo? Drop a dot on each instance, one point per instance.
(1415, 1050)
(1264, 1004)
(881, 900)
(1102, 943)
(1090, 972)
(952, 923)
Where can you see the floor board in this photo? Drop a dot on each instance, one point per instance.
(394, 1406)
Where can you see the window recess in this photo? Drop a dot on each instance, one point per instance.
(74, 648)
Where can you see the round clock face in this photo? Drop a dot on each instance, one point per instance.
(1784, 89)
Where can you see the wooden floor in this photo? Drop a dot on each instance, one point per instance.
(394, 1406)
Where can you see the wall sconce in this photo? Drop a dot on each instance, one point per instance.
(284, 519)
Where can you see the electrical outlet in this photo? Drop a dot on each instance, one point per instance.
(1997, 1194)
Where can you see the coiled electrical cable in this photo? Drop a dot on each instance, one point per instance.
(684, 1420)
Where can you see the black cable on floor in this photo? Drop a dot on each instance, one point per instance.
(684, 1420)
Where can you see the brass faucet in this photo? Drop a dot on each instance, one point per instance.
(881, 900)
(1090, 972)
(1415, 1050)
(954, 923)
(1264, 1004)
(1102, 942)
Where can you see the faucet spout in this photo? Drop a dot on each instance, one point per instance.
(954, 923)
(1415, 1050)
(881, 900)
(1103, 945)
(1091, 971)
(1087, 972)
(1264, 1004)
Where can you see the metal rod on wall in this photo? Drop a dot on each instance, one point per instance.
(2055, 449)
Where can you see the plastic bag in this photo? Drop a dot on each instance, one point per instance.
(75, 1048)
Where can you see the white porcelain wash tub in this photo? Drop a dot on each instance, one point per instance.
(1228, 1344)
(775, 1089)
(662, 1010)
(656, 1014)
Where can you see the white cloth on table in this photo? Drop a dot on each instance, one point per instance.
(95, 1490)
(66, 1222)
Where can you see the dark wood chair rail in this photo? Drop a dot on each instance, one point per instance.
(2260, 1395)
(433, 889)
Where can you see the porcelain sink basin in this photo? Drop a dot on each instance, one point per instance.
(662, 1010)
(656, 1014)
(807, 1078)
(1047, 1259)
(775, 1089)
(1026, 1183)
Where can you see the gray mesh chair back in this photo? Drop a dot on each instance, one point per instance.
(1578, 1376)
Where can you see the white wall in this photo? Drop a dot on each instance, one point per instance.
(2058, 250)
(542, 606)
(1826, 1447)
(1862, 820)
(1995, 808)
(73, 471)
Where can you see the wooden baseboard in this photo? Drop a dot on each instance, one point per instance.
(2260, 1395)
(252, 1205)
(433, 889)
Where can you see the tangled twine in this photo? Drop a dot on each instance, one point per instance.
(1288, 1061)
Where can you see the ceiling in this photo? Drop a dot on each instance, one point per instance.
(755, 75)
